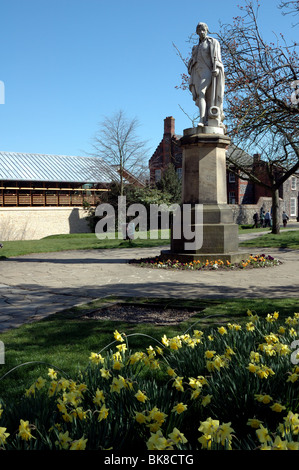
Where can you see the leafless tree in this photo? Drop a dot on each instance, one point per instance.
(117, 142)
(290, 7)
(262, 108)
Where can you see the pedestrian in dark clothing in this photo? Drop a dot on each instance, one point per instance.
(285, 218)
(256, 220)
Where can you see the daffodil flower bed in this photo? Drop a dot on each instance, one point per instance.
(235, 386)
(160, 262)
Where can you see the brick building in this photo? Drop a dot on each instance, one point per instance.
(168, 151)
(244, 196)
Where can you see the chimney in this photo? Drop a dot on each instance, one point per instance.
(169, 125)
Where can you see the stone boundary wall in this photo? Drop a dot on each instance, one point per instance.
(33, 223)
(243, 213)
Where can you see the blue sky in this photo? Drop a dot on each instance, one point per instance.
(66, 64)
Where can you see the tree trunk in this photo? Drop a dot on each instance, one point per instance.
(275, 212)
(121, 170)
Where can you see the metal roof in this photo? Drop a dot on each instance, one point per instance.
(55, 168)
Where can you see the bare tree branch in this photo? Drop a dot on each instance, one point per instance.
(117, 142)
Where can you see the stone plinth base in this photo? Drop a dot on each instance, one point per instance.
(204, 191)
(214, 238)
(214, 233)
(232, 258)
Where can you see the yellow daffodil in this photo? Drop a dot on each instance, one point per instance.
(121, 347)
(140, 418)
(263, 398)
(79, 444)
(263, 434)
(292, 332)
(158, 442)
(99, 397)
(206, 400)
(177, 437)
(209, 427)
(225, 430)
(277, 407)
(105, 373)
(179, 408)
(3, 436)
(291, 445)
(79, 413)
(209, 354)
(117, 365)
(234, 326)
(292, 422)
(196, 392)
(206, 441)
(103, 413)
(178, 383)
(52, 389)
(141, 396)
(254, 356)
(278, 444)
(165, 340)
(24, 430)
(175, 343)
(52, 374)
(222, 330)
(171, 372)
(156, 415)
(250, 326)
(254, 423)
(96, 358)
(159, 350)
(117, 385)
(64, 440)
(118, 336)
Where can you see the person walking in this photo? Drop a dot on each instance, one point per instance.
(262, 217)
(256, 220)
(267, 219)
(285, 218)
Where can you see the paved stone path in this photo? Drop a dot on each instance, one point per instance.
(35, 286)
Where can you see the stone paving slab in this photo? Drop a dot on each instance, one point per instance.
(37, 285)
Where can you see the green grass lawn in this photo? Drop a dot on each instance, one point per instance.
(65, 340)
(80, 241)
(89, 241)
(286, 239)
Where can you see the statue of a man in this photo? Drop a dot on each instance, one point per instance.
(207, 76)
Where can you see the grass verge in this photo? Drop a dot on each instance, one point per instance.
(289, 239)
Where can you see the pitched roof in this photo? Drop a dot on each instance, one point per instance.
(55, 168)
(238, 155)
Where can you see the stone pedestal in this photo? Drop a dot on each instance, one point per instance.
(204, 187)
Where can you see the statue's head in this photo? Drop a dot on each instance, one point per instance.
(202, 28)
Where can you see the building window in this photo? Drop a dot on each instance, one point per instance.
(157, 175)
(293, 208)
(179, 172)
(293, 183)
(231, 197)
(231, 177)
